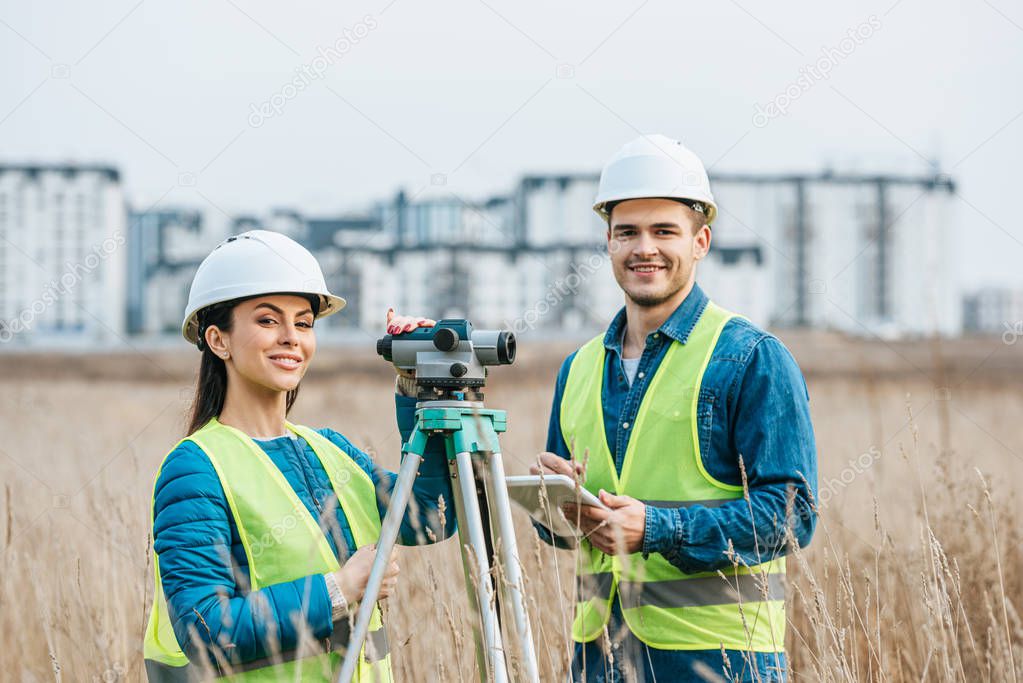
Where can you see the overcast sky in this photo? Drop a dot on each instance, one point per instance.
(171, 92)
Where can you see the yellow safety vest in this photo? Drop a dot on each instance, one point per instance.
(283, 543)
(663, 606)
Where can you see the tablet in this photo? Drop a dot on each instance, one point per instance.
(560, 489)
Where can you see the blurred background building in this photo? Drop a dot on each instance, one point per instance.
(860, 254)
(62, 254)
(994, 310)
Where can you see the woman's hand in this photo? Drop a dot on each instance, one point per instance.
(399, 324)
(352, 577)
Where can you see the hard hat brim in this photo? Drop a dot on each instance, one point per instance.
(601, 204)
(329, 305)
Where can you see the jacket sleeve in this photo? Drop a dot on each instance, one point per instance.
(770, 427)
(422, 522)
(556, 444)
(211, 610)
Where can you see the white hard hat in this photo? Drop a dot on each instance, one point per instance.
(253, 263)
(655, 166)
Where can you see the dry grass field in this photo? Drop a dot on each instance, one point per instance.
(915, 573)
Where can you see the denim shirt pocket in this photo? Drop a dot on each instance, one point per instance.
(705, 420)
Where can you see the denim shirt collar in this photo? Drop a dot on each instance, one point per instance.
(677, 327)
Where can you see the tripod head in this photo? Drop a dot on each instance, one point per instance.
(451, 361)
(449, 358)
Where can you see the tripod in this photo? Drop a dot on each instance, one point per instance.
(484, 522)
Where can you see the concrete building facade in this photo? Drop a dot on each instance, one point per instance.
(62, 254)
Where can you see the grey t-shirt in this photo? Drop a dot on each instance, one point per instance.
(630, 365)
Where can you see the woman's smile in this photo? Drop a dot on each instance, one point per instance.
(286, 361)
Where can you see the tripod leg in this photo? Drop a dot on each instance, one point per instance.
(512, 587)
(467, 563)
(472, 521)
(389, 529)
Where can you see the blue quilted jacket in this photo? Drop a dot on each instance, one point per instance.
(203, 565)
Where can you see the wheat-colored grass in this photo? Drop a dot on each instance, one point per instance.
(914, 573)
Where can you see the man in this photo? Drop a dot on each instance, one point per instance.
(693, 426)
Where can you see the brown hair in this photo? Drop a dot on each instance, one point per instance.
(211, 388)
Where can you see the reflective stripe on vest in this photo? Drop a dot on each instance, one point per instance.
(282, 542)
(377, 648)
(664, 607)
(689, 592)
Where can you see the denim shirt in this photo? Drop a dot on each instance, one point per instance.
(752, 404)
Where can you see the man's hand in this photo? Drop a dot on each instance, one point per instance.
(552, 463)
(614, 531)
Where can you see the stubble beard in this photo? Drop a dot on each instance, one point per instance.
(652, 300)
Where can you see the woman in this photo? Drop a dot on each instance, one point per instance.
(264, 531)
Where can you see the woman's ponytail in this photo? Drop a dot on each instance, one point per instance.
(211, 388)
